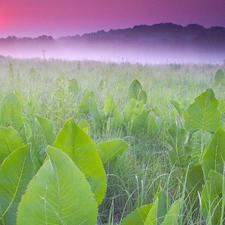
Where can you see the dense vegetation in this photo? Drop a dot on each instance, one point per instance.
(85, 142)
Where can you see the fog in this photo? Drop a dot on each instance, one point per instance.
(156, 44)
(106, 52)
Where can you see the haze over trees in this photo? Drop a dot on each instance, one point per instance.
(159, 43)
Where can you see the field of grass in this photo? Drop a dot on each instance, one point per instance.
(144, 172)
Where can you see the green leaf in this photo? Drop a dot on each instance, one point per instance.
(27, 134)
(195, 180)
(173, 214)
(95, 113)
(109, 106)
(180, 110)
(135, 91)
(83, 107)
(85, 126)
(158, 210)
(79, 146)
(143, 96)
(151, 218)
(15, 173)
(129, 110)
(20, 97)
(139, 123)
(59, 194)
(178, 138)
(74, 86)
(162, 206)
(47, 129)
(109, 150)
(116, 121)
(219, 77)
(137, 217)
(203, 113)
(214, 157)
(212, 195)
(152, 126)
(11, 111)
(9, 141)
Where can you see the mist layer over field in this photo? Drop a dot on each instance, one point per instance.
(157, 44)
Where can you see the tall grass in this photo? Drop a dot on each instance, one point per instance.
(137, 174)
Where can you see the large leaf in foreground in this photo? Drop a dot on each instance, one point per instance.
(151, 218)
(58, 194)
(9, 141)
(79, 146)
(109, 150)
(214, 156)
(173, 214)
(11, 111)
(137, 217)
(203, 113)
(15, 174)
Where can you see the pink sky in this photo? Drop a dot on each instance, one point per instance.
(33, 18)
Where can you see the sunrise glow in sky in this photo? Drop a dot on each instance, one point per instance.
(32, 18)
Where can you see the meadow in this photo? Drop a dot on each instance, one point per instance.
(146, 143)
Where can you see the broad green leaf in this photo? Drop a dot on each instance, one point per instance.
(162, 206)
(135, 91)
(139, 108)
(83, 107)
(158, 210)
(157, 111)
(195, 180)
(214, 156)
(180, 110)
(85, 126)
(212, 194)
(143, 96)
(129, 110)
(152, 126)
(173, 214)
(116, 121)
(59, 194)
(74, 86)
(219, 77)
(11, 111)
(178, 138)
(94, 112)
(137, 217)
(79, 146)
(109, 106)
(203, 113)
(9, 141)
(151, 218)
(47, 129)
(27, 134)
(109, 150)
(20, 97)
(15, 173)
(139, 123)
